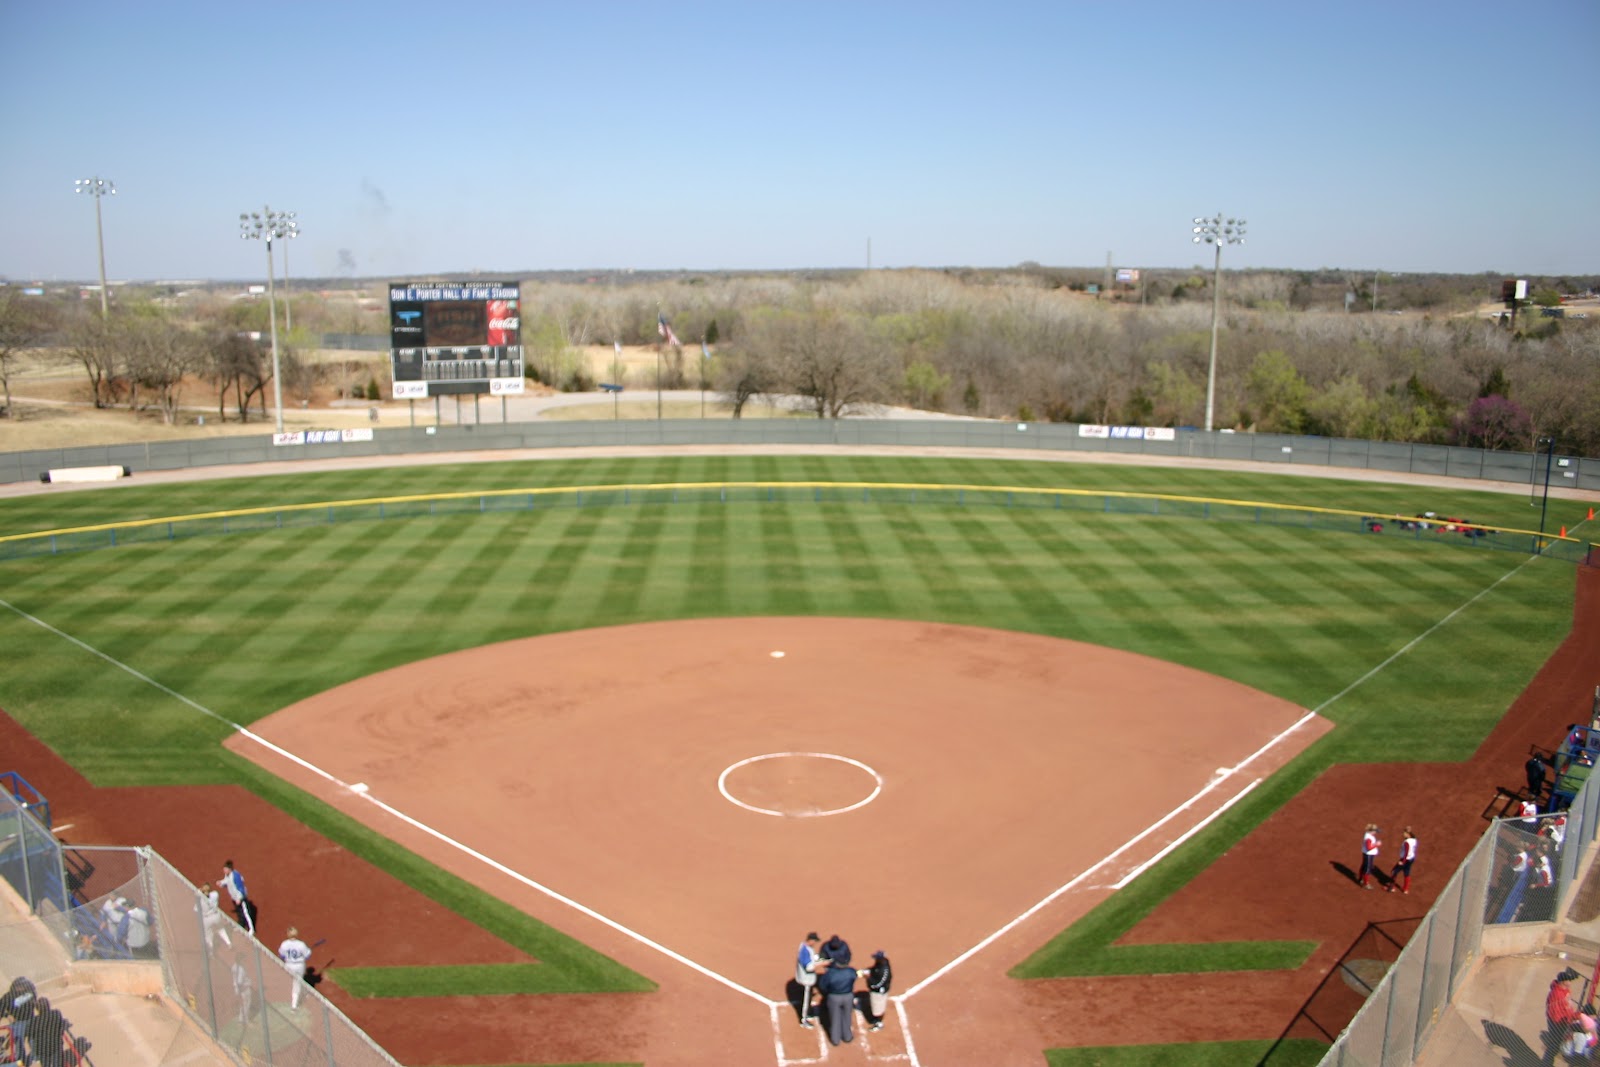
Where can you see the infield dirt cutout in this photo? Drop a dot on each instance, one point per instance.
(932, 785)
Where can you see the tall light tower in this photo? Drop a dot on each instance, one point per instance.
(1216, 231)
(288, 305)
(98, 187)
(267, 226)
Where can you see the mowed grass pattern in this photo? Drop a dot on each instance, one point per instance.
(247, 623)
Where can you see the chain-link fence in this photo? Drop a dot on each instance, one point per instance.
(428, 436)
(1523, 870)
(130, 905)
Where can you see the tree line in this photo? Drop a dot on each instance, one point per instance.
(1031, 346)
(1025, 343)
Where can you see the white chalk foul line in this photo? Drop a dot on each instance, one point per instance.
(366, 795)
(1216, 780)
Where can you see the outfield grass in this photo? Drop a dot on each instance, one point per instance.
(246, 623)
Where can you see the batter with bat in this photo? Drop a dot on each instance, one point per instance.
(295, 953)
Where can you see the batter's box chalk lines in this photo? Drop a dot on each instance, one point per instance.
(339, 783)
(1106, 861)
(781, 1016)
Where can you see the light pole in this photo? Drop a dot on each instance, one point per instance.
(288, 305)
(98, 187)
(266, 226)
(1216, 231)
(1549, 456)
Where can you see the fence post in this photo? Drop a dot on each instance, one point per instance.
(261, 999)
(1423, 1021)
(27, 865)
(205, 972)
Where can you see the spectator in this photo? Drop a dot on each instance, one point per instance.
(18, 1004)
(1564, 1015)
(47, 1032)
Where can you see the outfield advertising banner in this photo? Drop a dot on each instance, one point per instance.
(1144, 433)
(455, 337)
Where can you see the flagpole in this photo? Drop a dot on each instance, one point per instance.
(704, 355)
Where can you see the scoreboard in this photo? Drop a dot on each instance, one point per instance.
(455, 337)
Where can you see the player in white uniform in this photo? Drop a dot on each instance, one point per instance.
(211, 917)
(294, 953)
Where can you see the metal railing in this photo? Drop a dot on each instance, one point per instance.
(1498, 883)
(129, 905)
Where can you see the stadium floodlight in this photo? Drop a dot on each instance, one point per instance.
(288, 306)
(267, 226)
(1217, 231)
(97, 188)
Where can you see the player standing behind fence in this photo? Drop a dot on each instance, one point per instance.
(243, 987)
(294, 953)
(1401, 875)
(1370, 844)
(243, 906)
(211, 917)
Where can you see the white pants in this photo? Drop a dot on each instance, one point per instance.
(214, 930)
(298, 970)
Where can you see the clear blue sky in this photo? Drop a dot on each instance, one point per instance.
(1456, 135)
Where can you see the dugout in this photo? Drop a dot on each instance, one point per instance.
(30, 857)
(1573, 764)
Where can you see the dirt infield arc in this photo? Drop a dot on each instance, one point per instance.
(932, 785)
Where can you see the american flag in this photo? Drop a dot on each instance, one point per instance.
(664, 328)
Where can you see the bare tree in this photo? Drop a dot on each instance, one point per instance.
(161, 353)
(832, 361)
(24, 322)
(740, 373)
(239, 362)
(92, 341)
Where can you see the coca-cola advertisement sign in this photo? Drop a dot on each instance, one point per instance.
(504, 322)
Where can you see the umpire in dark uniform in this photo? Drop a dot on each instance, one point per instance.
(1535, 769)
(837, 985)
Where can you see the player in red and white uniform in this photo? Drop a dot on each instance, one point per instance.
(1370, 844)
(1401, 875)
(1530, 815)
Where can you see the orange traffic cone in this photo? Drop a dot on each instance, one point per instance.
(1563, 531)
(1591, 514)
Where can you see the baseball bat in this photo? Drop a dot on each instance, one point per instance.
(318, 941)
